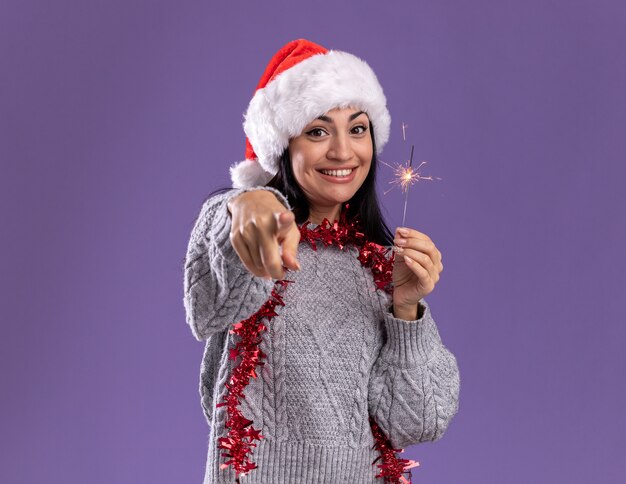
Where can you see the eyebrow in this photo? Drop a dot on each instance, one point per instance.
(330, 120)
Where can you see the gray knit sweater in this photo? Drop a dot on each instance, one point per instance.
(335, 355)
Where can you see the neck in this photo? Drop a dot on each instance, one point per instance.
(318, 214)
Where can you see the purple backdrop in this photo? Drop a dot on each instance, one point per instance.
(118, 118)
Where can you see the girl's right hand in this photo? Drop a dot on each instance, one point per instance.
(264, 234)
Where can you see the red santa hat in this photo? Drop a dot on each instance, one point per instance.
(301, 82)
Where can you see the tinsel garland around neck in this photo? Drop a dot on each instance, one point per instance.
(239, 439)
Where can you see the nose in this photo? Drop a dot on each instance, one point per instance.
(340, 148)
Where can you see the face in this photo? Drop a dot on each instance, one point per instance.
(331, 157)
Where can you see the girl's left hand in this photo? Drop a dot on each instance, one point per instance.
(416, 269)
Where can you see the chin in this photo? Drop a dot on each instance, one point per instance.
(340, 196)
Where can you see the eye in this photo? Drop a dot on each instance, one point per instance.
(314, 130)
(362, 127)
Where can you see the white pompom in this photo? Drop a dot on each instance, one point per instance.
(248, 173)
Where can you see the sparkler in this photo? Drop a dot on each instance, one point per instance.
(405, 175)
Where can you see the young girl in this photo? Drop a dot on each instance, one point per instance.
(322, 356)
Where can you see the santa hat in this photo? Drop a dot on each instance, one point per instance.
(301, 82)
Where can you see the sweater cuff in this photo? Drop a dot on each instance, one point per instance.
(222, 222)
(410, 343)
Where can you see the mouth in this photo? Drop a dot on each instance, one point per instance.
(337, 172)
(338, 176)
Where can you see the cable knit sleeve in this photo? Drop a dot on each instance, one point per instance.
(414, 385)
(218, 289)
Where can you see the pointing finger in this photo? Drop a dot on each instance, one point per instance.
(283, 222)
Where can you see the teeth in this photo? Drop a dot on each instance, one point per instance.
(337, 172)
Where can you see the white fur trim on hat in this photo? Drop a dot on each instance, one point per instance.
(322, 82)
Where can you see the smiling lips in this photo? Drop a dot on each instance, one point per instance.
(338, 176)
(343, 172)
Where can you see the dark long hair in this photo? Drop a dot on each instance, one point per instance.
(364, 202)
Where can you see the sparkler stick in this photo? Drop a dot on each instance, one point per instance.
(406, 192)
(405, 175)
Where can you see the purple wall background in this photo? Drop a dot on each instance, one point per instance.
(118, 118)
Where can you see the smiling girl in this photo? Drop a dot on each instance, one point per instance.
(320, 348)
